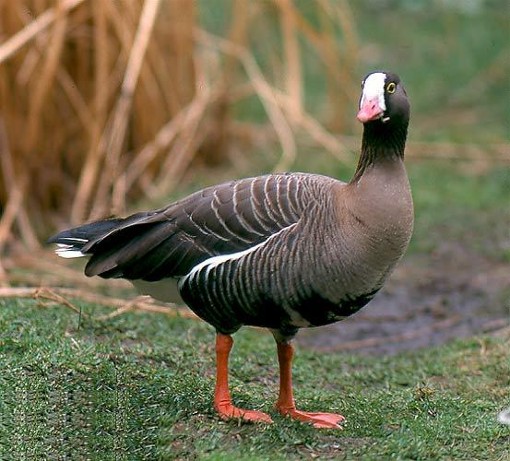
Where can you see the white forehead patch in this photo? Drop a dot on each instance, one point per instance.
(374, 88)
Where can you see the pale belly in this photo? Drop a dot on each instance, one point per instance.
(163, 290)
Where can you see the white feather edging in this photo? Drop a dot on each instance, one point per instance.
(68, 251)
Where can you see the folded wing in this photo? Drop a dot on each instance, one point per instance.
(169, 242)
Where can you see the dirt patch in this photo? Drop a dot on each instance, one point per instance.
(428, 301)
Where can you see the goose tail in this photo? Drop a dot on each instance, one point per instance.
(71, 242)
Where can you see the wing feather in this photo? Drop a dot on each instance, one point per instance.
(218, 220)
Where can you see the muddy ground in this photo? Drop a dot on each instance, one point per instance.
(449, 294)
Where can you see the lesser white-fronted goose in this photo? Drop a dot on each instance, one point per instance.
(281, 251)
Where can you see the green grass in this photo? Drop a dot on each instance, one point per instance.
(140, 387)
(467, 208)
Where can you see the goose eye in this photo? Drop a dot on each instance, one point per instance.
(391, 87)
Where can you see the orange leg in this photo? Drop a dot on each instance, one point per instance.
(286, 405)
(222, 399)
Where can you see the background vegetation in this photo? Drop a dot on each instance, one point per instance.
(105, 103)
(108, 107)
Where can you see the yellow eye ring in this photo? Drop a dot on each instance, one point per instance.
(391, 87)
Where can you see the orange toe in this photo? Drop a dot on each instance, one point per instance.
(318, 420)
(229, 411)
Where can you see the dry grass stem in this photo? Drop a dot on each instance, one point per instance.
(166, 136)
(316, 131)
(46, 79)
(14, 204)
(14, 207)
(118, 124)
(61, 296)
(293, 77)
(17, 41)
(44, 268)
(38, 294)
(264, 90)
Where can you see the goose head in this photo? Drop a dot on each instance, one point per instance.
(383, 100)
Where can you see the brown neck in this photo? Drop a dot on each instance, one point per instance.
(380, 143)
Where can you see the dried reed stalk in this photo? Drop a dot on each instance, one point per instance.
(341, 60)
(45, 79)
(118, 125)
(166, 136)
(88, 177)
(16, 188)
(263, 89)
(11, 46)
(293, 74)
(105, 102)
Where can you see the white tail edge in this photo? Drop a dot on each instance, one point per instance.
(68, 251)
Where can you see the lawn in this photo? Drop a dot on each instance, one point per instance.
(139, 386)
